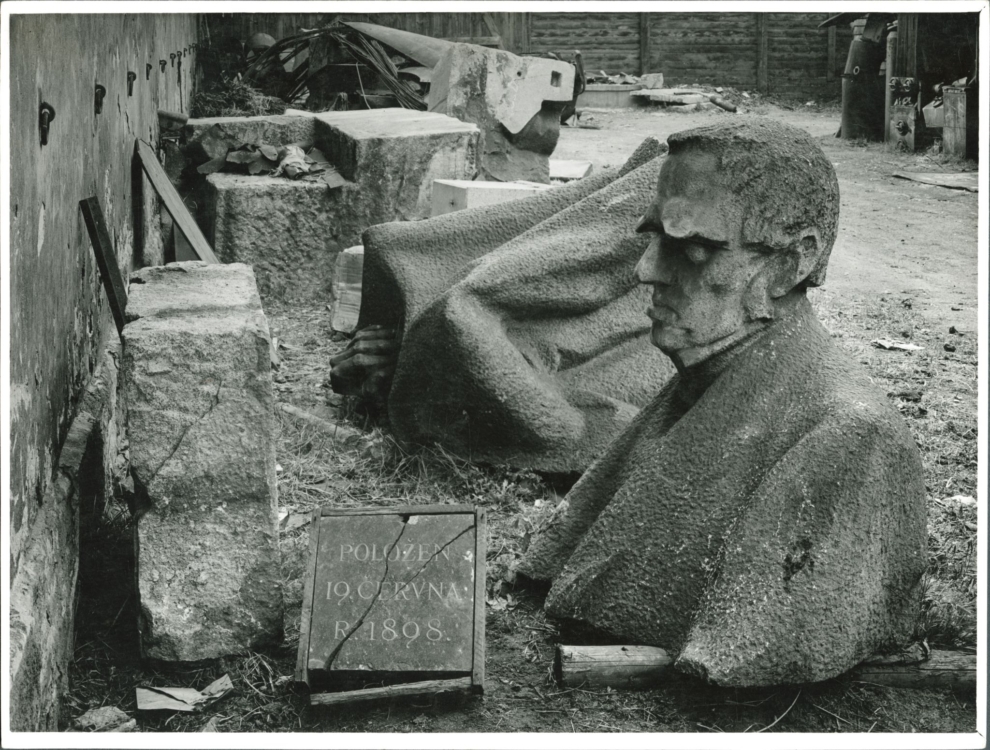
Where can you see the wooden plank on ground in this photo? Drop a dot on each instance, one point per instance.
(106, 259)
(173, 203)
(429, 687)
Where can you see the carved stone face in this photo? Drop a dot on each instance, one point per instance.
(707, 289)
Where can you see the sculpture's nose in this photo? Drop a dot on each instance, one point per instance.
(651, 268)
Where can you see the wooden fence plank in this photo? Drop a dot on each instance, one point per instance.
(180, 215)
(106, 259)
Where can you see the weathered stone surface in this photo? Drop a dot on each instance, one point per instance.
(394, 155)
(764, 517)
(523, 338)
(200, 419)
(515, 101)
(43, 591)
(211, 137)
(291, 230)
(288, 230)
(394, 596)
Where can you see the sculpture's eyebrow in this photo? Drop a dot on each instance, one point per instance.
(651, 224)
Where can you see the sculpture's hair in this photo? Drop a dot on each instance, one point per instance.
(786, 182)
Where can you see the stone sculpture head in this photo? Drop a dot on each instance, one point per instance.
(744, 219)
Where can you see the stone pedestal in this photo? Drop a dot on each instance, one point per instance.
(292, 230)
(200, 419)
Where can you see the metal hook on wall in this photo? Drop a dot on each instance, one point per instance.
(45, 115)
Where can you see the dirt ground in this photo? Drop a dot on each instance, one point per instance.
(903, 268)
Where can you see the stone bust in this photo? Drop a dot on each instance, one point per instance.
(763, 518)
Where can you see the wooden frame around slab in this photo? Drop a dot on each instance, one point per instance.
(475, 683)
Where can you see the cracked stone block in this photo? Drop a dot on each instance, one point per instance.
(393, 595)
(292, 230)
(200, 419)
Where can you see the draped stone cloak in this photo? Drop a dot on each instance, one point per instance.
(763, 518)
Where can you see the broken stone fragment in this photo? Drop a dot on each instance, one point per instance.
(515, 101)
(200, 419)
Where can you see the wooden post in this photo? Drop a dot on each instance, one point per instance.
(762, 54)
(645, 666)
(610, 666)
(906, 51)
(644, 44)
(173, 203)
(106, 259)
(830, 73)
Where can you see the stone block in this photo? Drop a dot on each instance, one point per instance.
(345, 305)
(569, 169)
(394, 155)
(291, 231)
(455, 195)
(200, 420)
(211, 137)
(515, 101)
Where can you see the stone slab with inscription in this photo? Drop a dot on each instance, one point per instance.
(393, 594)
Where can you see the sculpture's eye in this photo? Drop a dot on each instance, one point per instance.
(697, 254)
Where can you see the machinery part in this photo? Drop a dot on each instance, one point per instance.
(46, 114)
(171, 57)
(147, 71)
(131, 77)
(101, 92)
(161, 64)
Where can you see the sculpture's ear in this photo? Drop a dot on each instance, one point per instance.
(794, 265)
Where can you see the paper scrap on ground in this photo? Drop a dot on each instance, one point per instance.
(182, 699)
(896, 345)
(105, 719)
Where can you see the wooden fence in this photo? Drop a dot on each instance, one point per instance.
(784, 54)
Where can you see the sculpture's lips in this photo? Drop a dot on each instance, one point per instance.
(661, 313)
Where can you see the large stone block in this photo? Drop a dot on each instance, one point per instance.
(515, 101)
(200, 420)
(213, 136)
(394, 155)
(291, 231)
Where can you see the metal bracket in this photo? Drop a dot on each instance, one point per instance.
(45, 115)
